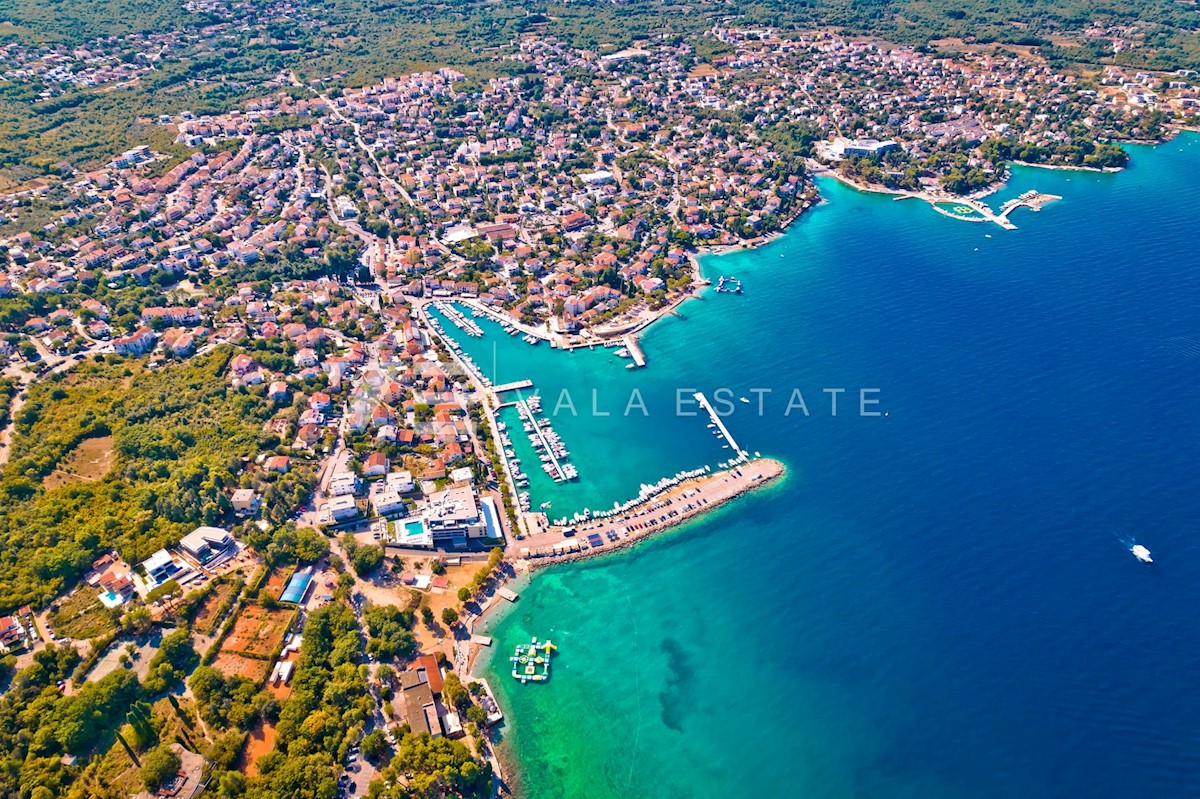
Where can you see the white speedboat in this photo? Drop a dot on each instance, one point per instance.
(1141, 553)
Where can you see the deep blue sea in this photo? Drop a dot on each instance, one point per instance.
(938, 602)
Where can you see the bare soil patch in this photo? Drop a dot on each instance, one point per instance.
(210, 614)
(276, 582)
(261, 741)
(258, 631)
(232, 664)
(91, 459)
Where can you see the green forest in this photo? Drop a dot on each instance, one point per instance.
(179, 437)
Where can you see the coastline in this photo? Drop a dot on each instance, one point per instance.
(695, 289)
(632, 526)
(1070, 167)
(510, 756)
(718, 489)
(815, 168)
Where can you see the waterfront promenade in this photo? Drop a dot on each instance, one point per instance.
(672, 507)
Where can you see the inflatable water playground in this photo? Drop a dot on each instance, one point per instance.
(532, 661)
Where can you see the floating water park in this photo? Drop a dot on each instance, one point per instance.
(729, 285)
(532, 661)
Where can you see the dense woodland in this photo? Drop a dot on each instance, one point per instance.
(181, 439)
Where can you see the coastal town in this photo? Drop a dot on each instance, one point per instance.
(309, 264)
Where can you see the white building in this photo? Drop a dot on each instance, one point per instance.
(207, 544)
(401, 482)
(160, 567)
(388, 503)
(342, 507)
(343, 484)
(453, 515)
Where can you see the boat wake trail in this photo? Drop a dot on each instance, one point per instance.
(1181, 346)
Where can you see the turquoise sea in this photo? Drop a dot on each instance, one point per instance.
(938, 602)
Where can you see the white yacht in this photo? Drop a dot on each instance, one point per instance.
(1141, 553)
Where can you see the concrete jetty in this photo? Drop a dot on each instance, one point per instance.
(1033, 200)
(513, 386)
(706, 405)
(635, 351)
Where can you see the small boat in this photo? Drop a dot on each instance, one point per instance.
(744, 399)
(545, 505)
(1141, 553)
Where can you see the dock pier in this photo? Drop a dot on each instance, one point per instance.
(513, 386)
(635, 351)
(526, 414)
(706, 405)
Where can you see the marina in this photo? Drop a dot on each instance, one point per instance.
(464, 360)
(508, 324)
(459, 320)
(551, 451)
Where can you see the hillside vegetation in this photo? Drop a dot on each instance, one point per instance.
(179, 435)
